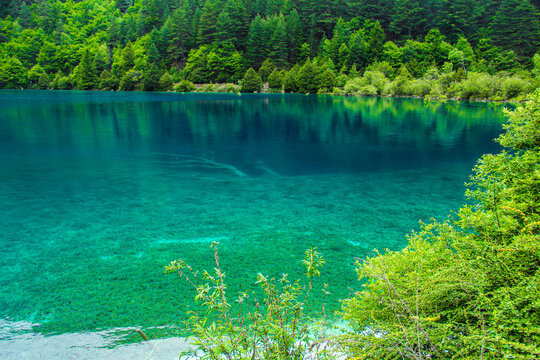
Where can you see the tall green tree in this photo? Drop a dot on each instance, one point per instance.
(87, 76)
(239, 21)
(207, 23)
(516, 26)
(251, 82)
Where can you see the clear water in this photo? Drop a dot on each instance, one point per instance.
(98, 191)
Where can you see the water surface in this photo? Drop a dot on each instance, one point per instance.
(100, 190)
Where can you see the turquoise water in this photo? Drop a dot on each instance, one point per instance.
(100, 190)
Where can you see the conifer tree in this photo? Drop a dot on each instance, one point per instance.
(511, 16)
(251, 82)
(278, 42)
(207, 23)
(239, 22)
(86, 72)
(294, 32)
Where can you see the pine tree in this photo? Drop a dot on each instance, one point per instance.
(240, 22)
(266, 69)
(207, 22)
(151, 15)
(294, 32)
(275, 80)
(256, 43)
(516, 26)
(278, 42)
(251, 82)
(86, 72)
(225, 29)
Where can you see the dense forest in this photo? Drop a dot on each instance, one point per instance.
(439, 48)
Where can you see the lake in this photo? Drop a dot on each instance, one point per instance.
(99, 191)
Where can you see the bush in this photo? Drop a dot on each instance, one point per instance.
(184, 86)
(248, 328)
(353, 86)
(477, 86)
(377, 79)
(465, 288)
(368, 90)
(419, 87)
(515, 86)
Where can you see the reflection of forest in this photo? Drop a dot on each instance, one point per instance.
(295, 118)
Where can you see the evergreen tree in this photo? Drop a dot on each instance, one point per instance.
(48, 57)
(304, 53)
(256, 42)
(278, 45)
(107, 81)
(151, 78)
(12, 74)
(166, 82)
(225, 29)
(239, 21)
(266, 69)
(151, 15)
(207, 22)
(289, 79)
(251, 82)
(86, 72)
(275, 80)
(152, 53)
(308, 77)
(294, 33)
(123, 5)
(101, 59)
(516, 26)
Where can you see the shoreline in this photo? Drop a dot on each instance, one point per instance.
(18, 341)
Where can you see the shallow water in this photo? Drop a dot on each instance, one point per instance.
(100, 190)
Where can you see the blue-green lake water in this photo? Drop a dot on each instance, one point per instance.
(98, 191)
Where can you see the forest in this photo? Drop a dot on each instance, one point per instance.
(465, 49)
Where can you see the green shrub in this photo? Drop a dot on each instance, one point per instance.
(466, 288)
(353, 86)
(184, 86)
(266, 324)
(514, 86)
(419, 87)
(477, 86)
(377, 79)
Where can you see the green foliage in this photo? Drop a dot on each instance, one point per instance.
(466, 287)
(131, 81)
(268, 323)
(275, 80)
(184, 86)
(151, 78)
(86, 72)
(251, 82)
(166, 82)
(107, 81)
(12, 74)
(266, 69)
(215, 41)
